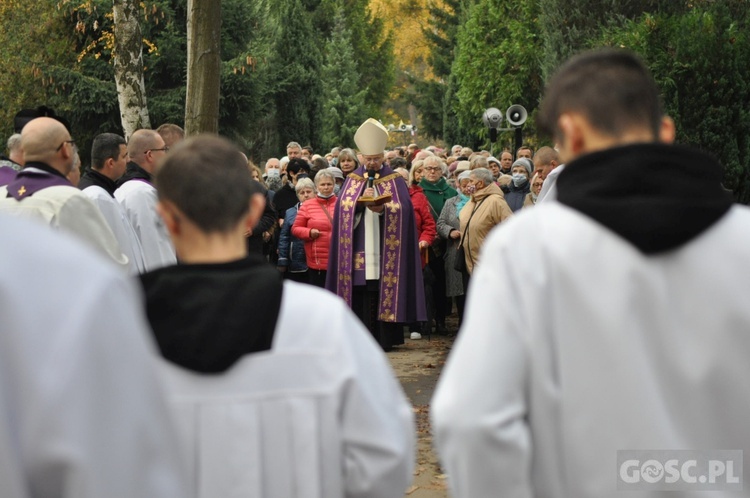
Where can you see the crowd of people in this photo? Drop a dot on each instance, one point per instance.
(201, 326)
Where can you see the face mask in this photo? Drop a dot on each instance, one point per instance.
(471, 189)
(327, 196)
(336, 189)
(519, 179)
(273, 172)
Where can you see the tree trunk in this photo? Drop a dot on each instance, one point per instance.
(204, 66)
(128, 51)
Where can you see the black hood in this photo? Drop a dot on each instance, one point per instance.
(205, 317)
(656, 196)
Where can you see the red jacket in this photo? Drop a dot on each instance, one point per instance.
(312, 214)
(426, 227)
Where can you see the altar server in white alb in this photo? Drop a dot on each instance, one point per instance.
(613, 319)
(109, 157)
(136, 193)
(277, 388)
(42, 192)
(82, 414)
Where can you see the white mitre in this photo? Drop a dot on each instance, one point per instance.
(371, 138)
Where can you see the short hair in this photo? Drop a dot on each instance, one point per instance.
(546, 155)
(398, 162)
(525, 147)
(324, 173)
(207, 179)
(105, 146)
(171, 133)
(611, 88)
(296, 165)
(304, 183)
(436, 161)
(309, 149)
(293, 145)
(483, 174)
(319, 164)
(479, 161)
(14, 142)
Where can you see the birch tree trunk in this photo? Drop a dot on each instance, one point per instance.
(204, 66)
(128, 51)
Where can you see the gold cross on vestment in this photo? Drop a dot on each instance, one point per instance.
(392, 242)
(347, 203)
(359, 260)
(390, 279)
(22, 190)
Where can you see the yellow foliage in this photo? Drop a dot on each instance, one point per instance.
(406, 19)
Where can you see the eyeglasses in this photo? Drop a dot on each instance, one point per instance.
(71, 142)
(432, 168)
(164, 149)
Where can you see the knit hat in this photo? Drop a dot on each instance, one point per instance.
(526, 163)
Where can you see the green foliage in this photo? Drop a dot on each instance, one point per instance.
(298, 87)
(699, 59)
(497, 61)
(343, 99)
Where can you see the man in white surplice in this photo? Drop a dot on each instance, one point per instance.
(274, 397)
(82, 414)
(109, 157)
(623, 307)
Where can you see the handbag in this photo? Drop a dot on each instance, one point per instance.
(460, 263)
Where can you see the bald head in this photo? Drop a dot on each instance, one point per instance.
(143, 147)
(545, 160)
(45, 140)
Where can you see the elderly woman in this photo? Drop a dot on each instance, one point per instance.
(292, 261)
(347, 161)
(448, 227)
(520, 186)
(486, 209)
(314, 224)
(437, 191)
(536, 187)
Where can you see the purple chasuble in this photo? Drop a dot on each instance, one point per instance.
(31, 180)
(401, 285)
(7, 174)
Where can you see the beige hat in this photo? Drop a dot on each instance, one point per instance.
(463, 166)
(371, 138)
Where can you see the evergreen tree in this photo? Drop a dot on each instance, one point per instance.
(298, 95)
(496, 63)
(343, 99)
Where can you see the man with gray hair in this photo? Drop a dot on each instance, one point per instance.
(137, 194)
(13, 163)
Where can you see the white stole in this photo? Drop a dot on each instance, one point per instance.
(372, 243)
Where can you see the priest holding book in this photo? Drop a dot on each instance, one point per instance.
(374, 263)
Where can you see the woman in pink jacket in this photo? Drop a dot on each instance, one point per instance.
(314, 225)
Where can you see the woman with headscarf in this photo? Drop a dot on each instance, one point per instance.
(448, 227)
(536, 187)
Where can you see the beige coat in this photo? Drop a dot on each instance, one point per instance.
(491, 209)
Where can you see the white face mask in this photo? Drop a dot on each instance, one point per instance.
(519, 179)
(273, 172)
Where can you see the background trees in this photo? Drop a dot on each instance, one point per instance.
(312, 70)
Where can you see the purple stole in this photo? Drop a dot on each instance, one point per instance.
(28, 182)
(7, 174)
(401, 287)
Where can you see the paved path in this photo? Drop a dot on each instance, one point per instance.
(417, 365)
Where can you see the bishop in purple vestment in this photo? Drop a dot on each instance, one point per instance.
(374, 262)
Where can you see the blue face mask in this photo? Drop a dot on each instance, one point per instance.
(336, 189)
(519, 179)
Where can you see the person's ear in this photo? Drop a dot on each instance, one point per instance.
(171, 217)
(109, 164)
(667, 130)
(572, 136)
(257, 205)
